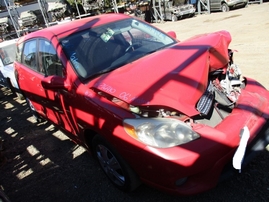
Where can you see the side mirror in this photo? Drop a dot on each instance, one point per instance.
(54, 83)
(172, 34)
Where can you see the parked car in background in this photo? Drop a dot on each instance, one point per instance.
(7, 57)
(151, 109)
(226, 5)
(175, 13)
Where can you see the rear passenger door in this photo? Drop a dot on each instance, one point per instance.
(38, 60)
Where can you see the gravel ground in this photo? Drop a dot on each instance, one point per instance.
(39, 163)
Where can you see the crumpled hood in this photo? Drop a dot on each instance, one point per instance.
(174, 77)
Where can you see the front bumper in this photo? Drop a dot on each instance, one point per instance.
(254, 148)
(207, 178)
(197, 166)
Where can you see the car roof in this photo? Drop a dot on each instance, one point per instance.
(68, 28)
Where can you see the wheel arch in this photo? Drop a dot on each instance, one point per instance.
(224, 4)
(132, 178)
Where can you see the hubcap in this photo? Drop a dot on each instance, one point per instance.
(110, 165)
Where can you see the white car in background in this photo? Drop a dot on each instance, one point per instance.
(7, 57)
(226, 5)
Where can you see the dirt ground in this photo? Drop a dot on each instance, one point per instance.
(39, 163)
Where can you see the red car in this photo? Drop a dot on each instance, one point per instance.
(151, 109)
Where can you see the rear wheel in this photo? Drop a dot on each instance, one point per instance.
(116, 169)
(224, 7)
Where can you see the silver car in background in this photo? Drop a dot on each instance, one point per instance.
(226, 5)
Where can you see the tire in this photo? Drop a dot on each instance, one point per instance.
(116, 169)
(224, 7)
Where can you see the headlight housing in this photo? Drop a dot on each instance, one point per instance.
(160, 132)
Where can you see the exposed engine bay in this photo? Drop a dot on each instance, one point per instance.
(223, 91)
(217, 102)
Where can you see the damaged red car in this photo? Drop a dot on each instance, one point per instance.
(171, 114)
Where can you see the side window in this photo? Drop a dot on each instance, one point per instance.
(29, 54)
(48, 61)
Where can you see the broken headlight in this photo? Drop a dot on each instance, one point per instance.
(160, 132)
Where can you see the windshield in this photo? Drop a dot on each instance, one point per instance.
(102, 49)
(8, 53)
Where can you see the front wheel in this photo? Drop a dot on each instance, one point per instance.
(116, 169)
(224, 7)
